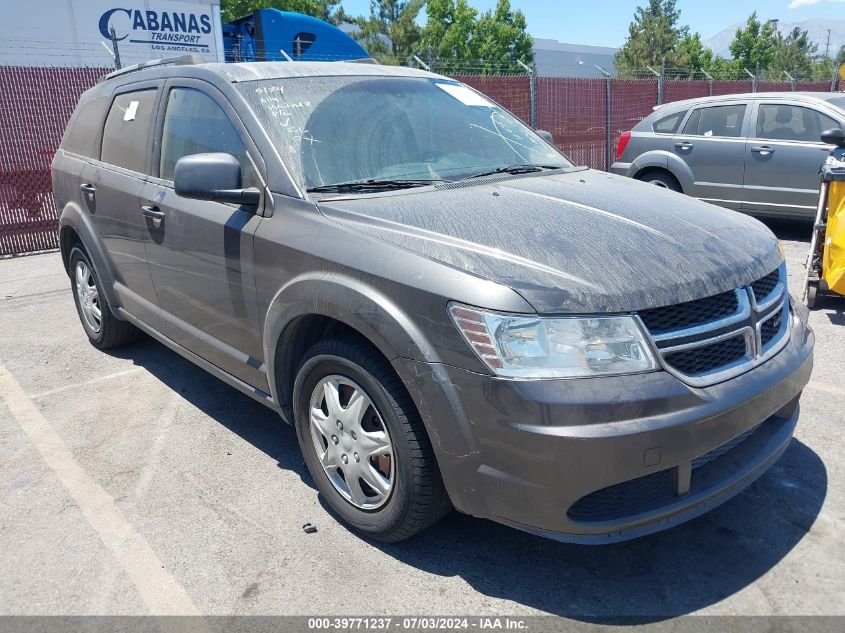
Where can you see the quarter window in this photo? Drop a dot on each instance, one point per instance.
(82, 136)
(782, 122)
(195, 124)
(724, 121)
(127, 128)
(668, 124)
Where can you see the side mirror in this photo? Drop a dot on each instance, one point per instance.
(212, 177)
(836, 136)
(546, 136)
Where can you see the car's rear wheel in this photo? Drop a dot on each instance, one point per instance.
(364, 442)
(661, 179)
(104, 330)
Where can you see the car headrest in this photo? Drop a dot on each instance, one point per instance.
(784, 115)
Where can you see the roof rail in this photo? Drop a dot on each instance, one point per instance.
(182, 60)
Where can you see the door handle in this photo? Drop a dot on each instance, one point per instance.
(763, 150)
(86, 188)
(154, 213)
(684, 145)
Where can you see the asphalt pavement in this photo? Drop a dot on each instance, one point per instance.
(132, 482)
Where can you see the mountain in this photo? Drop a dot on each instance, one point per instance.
(817, 30)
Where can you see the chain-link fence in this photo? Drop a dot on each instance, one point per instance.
(585, 116)
(36, 106)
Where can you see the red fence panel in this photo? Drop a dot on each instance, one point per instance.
(815, 86)
(632, 100)
(774, 86)
(732, 87)
(679, 90)
(573, 110)
(511, 91)
(36, 107)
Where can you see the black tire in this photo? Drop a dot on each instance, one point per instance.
(662, 179)
(112, 331)
(418, 497)
(812, 295)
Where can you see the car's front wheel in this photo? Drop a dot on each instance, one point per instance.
(364, 442)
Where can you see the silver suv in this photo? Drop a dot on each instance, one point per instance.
(757, 153)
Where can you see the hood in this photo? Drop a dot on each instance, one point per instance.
(573, 242)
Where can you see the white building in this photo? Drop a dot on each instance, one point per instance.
(77, 32)
(559, 59)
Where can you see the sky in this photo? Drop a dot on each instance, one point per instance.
(605, 22)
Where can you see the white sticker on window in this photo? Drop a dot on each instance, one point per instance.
(465, 95)
(131, 110)
(708, 133)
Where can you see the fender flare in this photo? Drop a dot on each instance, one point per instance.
(667, 161)
(350, 301)
(75, 218)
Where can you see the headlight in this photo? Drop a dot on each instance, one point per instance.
(520, 346)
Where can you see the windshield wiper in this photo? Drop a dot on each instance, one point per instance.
(370, 185)
(514, 170)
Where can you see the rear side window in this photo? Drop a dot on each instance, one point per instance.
(126, 132)
(724, 121)
(782, 122)
(668, 124)
(195, 124)
(83, 134)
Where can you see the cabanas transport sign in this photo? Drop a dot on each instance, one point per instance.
(162, 30)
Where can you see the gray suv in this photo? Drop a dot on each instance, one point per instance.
(757, 153)
(449, 312)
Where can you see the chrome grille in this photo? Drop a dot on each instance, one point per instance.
(770, 328)
(708, 340)
(690, 313)
(701, 360)
(763, 287)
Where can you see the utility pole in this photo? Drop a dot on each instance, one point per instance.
(827, 46)
(608, 118)
(532, 91)
(117, 64)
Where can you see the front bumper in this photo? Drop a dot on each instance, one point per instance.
(606, 459)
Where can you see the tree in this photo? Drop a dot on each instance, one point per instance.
(653, 36)
(794, 54)
(502, 37)
(449, 33)
(323, 9)
(391, 33)
(692, 56)
(754, 46)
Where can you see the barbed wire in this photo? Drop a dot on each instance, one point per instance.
(43, 53)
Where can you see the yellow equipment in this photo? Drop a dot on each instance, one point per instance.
(833, 261)
(826, 259)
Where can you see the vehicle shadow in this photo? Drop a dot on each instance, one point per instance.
(790, 229)
(653, 578)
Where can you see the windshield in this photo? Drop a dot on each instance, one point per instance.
(839, 102)
(333, 130)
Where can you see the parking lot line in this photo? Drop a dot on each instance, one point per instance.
(158, 589)
(86, 383)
